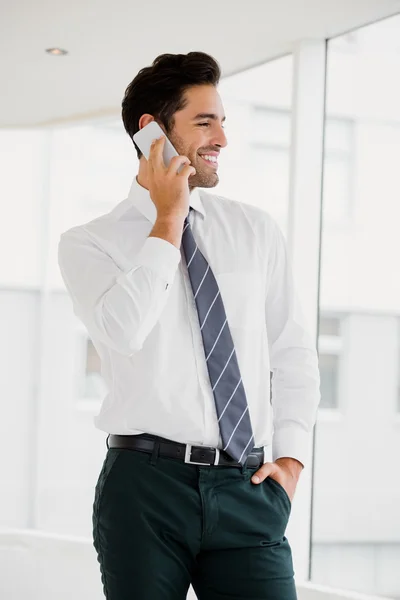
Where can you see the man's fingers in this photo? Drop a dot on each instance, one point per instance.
(156, 153)
(187, 171)
(176, 163)
(262, 473)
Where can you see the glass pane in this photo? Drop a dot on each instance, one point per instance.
(356, 521)
(329, 372)
(271, 178)
(276, 124)
(329, 326)
(254, 168)
(95, 387)
(337, 184)
(398, 368)
(338, 135)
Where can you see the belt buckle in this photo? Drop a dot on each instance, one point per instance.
(188, 455)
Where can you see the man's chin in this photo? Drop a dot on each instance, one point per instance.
(204, 182)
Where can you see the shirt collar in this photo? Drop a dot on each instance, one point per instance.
(140, 198)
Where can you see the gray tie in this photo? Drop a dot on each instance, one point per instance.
(230, 398)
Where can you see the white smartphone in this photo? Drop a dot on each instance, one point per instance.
(150, 132)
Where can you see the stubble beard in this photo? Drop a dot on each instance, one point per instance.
(203, 180)
(204, 177)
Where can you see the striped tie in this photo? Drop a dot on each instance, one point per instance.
(230, 398)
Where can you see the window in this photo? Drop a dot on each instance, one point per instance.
(254, 167)
(338, 171)
(329, 345)
(349, 42)
(270, 158)
(356, 522)
(329, 369)
(398, 366)
(94, 386)
(271, 177)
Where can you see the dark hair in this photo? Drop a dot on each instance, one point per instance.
(159, 89)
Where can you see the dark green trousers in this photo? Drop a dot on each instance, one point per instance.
(160, 525)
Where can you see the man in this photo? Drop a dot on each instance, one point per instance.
(188, 298)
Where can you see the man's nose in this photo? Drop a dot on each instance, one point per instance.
(220, 139)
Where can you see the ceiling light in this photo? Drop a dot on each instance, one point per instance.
(56, 51)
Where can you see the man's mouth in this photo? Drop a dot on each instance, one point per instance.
(210, 160)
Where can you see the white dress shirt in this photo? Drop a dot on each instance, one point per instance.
(134, 296)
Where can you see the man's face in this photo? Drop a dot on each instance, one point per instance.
(198, 133)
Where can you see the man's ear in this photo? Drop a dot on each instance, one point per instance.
(145, 120)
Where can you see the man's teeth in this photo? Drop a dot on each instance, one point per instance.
(210, 158)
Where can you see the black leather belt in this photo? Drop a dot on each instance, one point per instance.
(193, 455)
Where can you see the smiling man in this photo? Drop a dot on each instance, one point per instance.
(197, 135)
(188, 298)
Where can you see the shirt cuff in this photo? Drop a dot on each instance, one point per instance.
(292, 442)
(159, 256)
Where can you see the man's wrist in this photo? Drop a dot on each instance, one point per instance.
(293, 465)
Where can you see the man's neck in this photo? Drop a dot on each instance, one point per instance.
(141, 178)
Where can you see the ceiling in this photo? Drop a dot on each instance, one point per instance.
(108, 42)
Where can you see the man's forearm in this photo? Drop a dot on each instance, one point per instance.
(292, 464)
(169, 228)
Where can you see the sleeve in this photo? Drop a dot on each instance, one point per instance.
(119, 308)
(293, 359)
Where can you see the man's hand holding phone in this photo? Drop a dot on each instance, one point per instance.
(169, 189)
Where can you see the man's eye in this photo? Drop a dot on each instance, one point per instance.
(204, 124)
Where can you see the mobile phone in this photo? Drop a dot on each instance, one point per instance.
(144, 137)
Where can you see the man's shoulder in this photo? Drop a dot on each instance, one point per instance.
(103, 225)
(255, 215)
